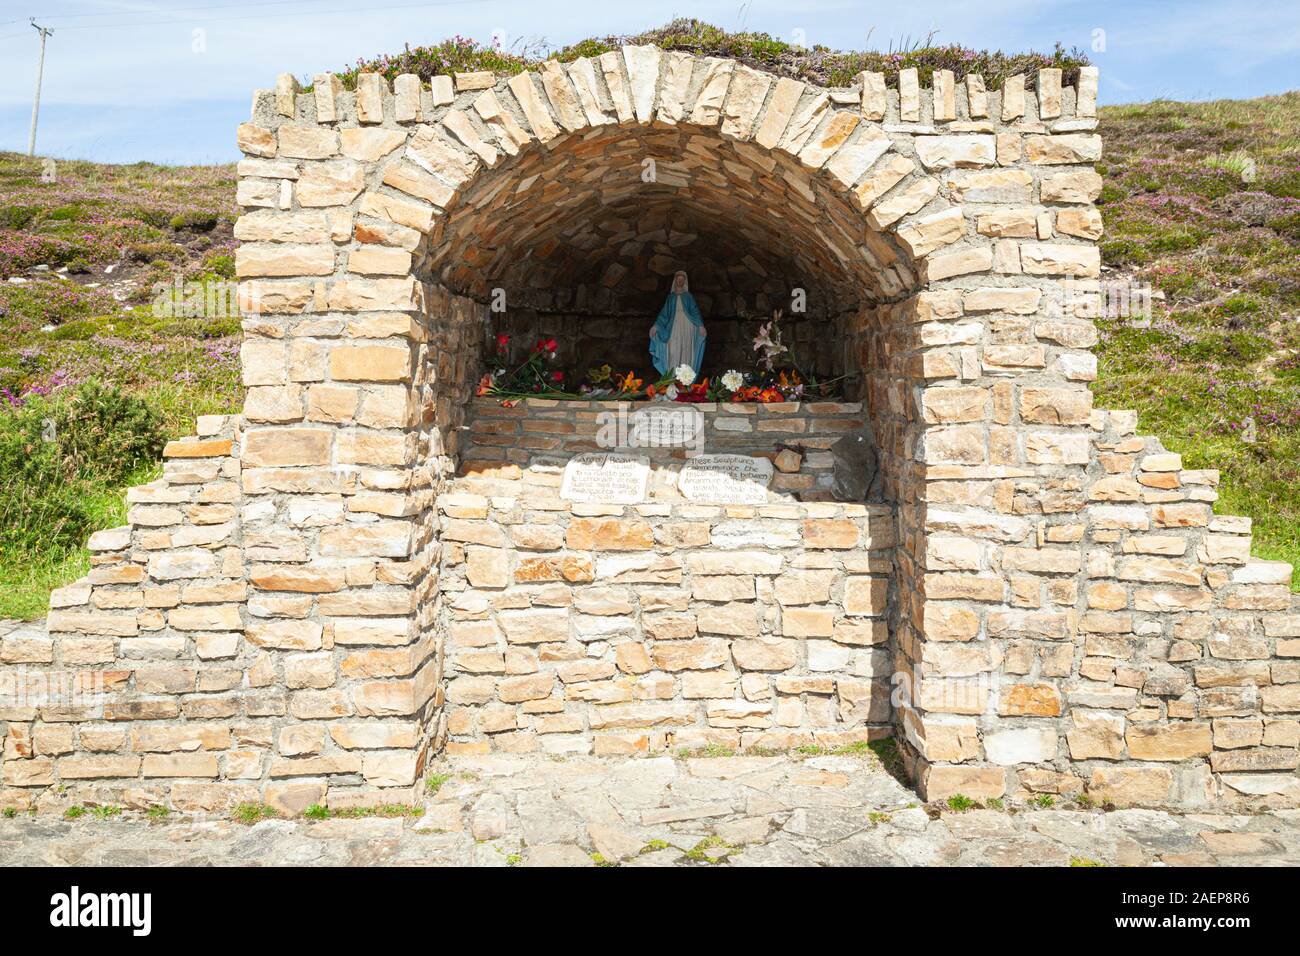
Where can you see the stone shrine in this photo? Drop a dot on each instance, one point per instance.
(369, 565)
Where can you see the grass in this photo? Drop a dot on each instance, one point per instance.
(250, 813)
(708, 750)
(117, 230)
(815, 64)
(435, 781)
(1202, 201)
(700, 852)
(26, 579)
(318, 812)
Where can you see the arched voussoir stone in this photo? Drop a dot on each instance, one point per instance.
(512, 183)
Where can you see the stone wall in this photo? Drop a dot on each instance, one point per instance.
(537, 433)
(147, 690)
(625, 629)
(1067, 610)
(264, 628)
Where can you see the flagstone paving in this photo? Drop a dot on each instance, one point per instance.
(787, 810)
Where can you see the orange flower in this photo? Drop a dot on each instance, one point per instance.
(485, 385)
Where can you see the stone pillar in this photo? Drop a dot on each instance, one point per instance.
(998, 438)
(340, 456)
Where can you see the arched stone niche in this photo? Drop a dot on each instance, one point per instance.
(316, 597)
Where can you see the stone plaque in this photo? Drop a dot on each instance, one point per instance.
(667, 425)
(726, 479)
(606, 478)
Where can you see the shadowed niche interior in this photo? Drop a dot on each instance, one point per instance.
(579, 243)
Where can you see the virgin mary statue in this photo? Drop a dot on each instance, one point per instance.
(677, 337)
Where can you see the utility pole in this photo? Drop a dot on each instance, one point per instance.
(40, 72)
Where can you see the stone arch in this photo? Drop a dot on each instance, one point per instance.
(820, 193)
(781, 149)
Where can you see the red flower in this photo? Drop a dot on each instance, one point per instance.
(503, 341)
(699, 392)
(557, 377)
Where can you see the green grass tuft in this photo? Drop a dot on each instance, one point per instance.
(433, 783)
(250, 813)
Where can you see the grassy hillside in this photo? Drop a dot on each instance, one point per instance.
(82, 246)
(1202, 201)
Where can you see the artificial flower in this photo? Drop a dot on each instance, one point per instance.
(733, 380)
(699, 392)
(684, 374)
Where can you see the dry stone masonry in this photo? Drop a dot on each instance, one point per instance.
(368, 567)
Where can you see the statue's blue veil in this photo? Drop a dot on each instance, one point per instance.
(663, 330)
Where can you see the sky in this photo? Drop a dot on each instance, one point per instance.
(169, 80)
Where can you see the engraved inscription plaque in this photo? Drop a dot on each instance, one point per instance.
(726, 479)
(606, 478)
